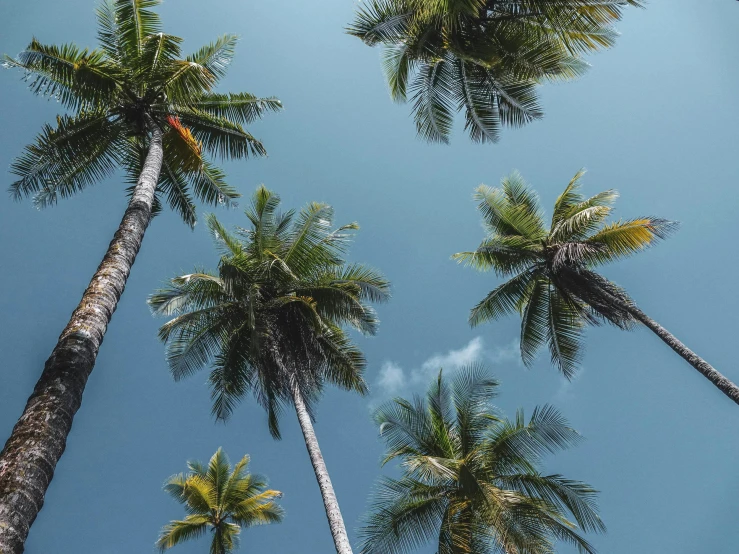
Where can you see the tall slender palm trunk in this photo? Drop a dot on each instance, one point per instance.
(38, 440)
(722, 383)
(335, 521)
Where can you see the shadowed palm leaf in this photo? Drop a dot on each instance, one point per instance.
(219, 499)
(470, 479)
(482, 57)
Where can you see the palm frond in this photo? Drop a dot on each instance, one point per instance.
(65, 159)
(403, 516)
(216, 56)
(534, 319)
(564, 332)
(242, 108)
(221, 136)
(433, 100)
(505, 299)
(135, 22)
(78, 78)
(176, 532)
(626, 237)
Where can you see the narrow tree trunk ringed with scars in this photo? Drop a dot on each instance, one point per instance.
(38, 440)
(330, 503)
(707, 370)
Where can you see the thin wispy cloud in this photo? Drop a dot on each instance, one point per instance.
(394, 379)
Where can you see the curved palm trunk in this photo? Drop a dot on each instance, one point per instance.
(38, 440)
(705, 369)
(335, 521)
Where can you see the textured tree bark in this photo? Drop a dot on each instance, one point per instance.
(38, 440)
(722, 383)
(335, 521)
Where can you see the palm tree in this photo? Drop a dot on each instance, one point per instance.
(221, 500)
(271, 320)
(470, 480)
(133, 103)
(553, 285)
(483, 57)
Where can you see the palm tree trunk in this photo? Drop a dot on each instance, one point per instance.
(38, 440)
(705, 369)
(335, 521)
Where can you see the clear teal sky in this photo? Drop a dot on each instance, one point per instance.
(656, 118)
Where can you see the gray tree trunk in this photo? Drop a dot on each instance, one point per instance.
(335, 521)
(722, 383)
(38, 440)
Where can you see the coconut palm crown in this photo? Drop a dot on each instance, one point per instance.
(552, 284)
(272, 317)
(470, 480)
(273, 321)
(220, 499)
(483, 57)
(116, 94)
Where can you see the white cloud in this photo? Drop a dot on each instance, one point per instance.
(392, 378)
(451, 361)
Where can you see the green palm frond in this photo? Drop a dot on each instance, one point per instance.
(65, 159)
(504, 299)
(550, 277)
(221, 499)
(173, 184)
(179, 531)
(135, 21)
(564, 332)
(511, 209)
(78, 78)
(217, 56)
(221, 136)
(626, 237)
(242, 108)
(470, 479)
(433, 100)
(534, 319)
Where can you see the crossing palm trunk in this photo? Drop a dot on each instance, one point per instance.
(704, 368)
(38, 440)
(330, 503)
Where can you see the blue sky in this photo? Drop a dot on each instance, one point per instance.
(656, 118)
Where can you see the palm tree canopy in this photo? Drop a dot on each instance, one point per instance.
(483, 57)
(470, 479)
(115, 93)
(220, 499)
(274, 313)
(552, 284)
